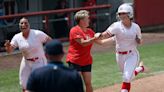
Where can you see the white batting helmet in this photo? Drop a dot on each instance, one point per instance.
(125, 8)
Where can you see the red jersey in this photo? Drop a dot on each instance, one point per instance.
(77, 53)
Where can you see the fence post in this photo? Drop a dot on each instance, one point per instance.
(46, 24)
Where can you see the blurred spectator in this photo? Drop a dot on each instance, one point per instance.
(61, 24)
(92, 12)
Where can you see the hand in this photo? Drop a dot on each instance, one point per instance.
(7, 43)
(97, 35)
(8, 46)
(138, 40)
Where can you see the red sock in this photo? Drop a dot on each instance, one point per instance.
(136, 73)
(126, 86)
(142, 68)
(23, 90)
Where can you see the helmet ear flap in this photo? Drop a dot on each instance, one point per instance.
(130, 15)
(117, 17)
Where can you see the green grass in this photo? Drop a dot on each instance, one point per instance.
(9, 81)
(105, 70)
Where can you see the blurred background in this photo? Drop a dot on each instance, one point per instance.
(44, 15)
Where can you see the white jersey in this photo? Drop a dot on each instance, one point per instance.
(32, 46)
(125, 38)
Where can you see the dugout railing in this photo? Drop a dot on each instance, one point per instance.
(46, 20)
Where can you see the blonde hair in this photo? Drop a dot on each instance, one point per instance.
(81, 15)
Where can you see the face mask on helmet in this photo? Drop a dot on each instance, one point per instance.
(125, 8)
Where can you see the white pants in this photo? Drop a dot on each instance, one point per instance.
(26, 68)
(127, 64)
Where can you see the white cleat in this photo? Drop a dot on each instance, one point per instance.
(141, 63)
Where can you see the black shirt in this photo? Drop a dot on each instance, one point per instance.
(55, 77)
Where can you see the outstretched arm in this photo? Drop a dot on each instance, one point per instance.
(83, 42)
(103, 38)
(9, 48)
(106, 35)
(104, 41)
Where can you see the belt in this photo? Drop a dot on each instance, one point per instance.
(33, 59)
(124, 52)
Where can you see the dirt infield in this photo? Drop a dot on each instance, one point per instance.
(148, 84)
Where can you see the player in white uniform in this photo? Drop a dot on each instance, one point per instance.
(127, 35)
(30, 43)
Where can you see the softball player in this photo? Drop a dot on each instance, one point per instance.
(30, 43)
(127, 35)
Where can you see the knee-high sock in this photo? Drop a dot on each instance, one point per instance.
(125, 87)
(138, 70)
(23, 90)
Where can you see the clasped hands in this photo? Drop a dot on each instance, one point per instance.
(97, 35)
